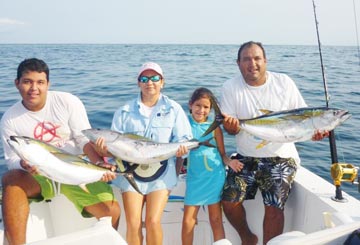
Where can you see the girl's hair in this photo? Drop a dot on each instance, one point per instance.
(201, 93)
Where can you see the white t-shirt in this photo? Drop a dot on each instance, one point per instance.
(242, 101)
(59, 123)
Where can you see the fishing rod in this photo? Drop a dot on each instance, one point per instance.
(334, 158)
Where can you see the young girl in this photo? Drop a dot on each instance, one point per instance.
(205, 170)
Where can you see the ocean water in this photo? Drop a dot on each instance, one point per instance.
(104, 77)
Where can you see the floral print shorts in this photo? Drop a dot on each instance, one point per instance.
(272, 175)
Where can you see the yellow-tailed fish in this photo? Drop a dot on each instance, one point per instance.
(59, 165)
(137, 149)
(287, 126)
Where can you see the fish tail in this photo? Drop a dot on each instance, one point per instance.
(262, 144)
(127, 172)
(218, 117)
(84, 188)
(207, 143)
(130, 178)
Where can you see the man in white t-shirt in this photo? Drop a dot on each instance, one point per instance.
(273, 167)
(56, 118)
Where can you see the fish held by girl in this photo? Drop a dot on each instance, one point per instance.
(287, 126)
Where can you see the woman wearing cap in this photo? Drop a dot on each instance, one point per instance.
(154, 116)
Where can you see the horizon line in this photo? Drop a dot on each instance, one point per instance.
(225, 44)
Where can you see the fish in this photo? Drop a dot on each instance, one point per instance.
(286, 126)
(60, 166)
(137, 149)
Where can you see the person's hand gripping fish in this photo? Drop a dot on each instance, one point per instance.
(101, 148)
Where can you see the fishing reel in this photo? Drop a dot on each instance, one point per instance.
(344, 172)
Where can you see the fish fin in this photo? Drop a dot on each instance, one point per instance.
(127, 172)
(218, 117)
(264, 111)
(130, 178)
(84, 188)
(262, 144)
(137, 137)
(120, 164)
(125, 167)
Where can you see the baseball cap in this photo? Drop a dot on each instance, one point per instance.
(151, 66)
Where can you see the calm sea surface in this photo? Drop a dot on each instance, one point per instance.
(104, 77)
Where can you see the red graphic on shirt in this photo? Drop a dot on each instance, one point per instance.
(45, 131)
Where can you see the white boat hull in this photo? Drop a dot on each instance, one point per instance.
(311, 217)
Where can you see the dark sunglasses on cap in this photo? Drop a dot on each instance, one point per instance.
(145, 79)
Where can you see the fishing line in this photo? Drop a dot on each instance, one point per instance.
(341, 145)
(356, 30)
(327, 97)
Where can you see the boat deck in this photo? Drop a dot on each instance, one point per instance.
(311, 217)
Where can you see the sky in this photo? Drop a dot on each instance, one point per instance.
(272, 22)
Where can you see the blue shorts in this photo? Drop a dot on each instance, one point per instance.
(273, 176)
